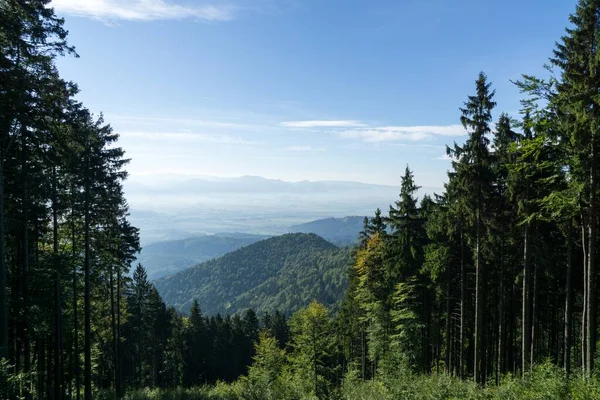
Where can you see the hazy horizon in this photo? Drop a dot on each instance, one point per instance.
(297, 90)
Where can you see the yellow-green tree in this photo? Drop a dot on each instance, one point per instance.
(312, 344)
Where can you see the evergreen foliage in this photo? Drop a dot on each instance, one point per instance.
(281, 273)
(487, 290)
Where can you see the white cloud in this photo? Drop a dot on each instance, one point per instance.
(323, 124)
(398, 133)
(182, 122)
(303, 148)
(187, 137)
(444, 157)
(144, 10)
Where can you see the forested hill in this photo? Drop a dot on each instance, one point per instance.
(284, 272)
(168, 257)
(340, 231)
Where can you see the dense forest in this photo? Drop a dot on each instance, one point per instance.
(487, 290)
(281, 273)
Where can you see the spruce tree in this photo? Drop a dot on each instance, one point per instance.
(472, 166)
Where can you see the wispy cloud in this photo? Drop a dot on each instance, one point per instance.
(444, 157)
(184, 122)
(188, 137)
(400, 133)
(145, 10)
(323, 124)
(303, 148)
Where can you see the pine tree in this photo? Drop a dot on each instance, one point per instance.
(472, 170)
(576, 55)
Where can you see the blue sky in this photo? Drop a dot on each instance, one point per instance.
(295, 90)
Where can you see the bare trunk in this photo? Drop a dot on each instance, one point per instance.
(500, 355)
(3, 272)
(463, 305)
(76, 369)
(87, 297)
(568, 303)
(534, 314)
(58, 377)
(118, 360)
(584, 305)
(25, 202)
(591, 269)
(526, 328)
(479, 363)
(113, 317)
(448, 358)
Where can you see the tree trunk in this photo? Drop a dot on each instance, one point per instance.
(118, 360)
(76, 368)
(479, 363)
(500, 348)
(87, 295)
(58, 377)
(25, 202)
(568, 303)
(448, 357)
(113, 318)
(526, 326)
(463, 305)
(591, 270)
(584, 305)
(534, 313)
(3, 271)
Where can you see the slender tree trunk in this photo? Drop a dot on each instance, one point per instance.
(534, 314)
(40, 365)
(25, 202)
(526, 328)
(585, 301)
(49, 348)
(438, 338)
(499, 349)
(463, 305)
(591, 270)
(118, 344)
(76, 368)
(479, 363)
(448, 358)
(58, 377)
(87, 295)
(3, 271)
(113, 317)
(568, 302)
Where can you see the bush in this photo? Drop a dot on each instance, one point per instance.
(545, 382)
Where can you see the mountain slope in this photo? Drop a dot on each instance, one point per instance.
(284, 272)
(340, 231)
(168, 257)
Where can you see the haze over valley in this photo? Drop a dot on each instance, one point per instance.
(299, 199)
(185, 208)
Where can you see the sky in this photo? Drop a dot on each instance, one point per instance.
(349, 90)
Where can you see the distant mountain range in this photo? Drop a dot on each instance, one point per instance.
(284, 272)
(177, 209)
(168, 257)
(251, 184)
(340, 231)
